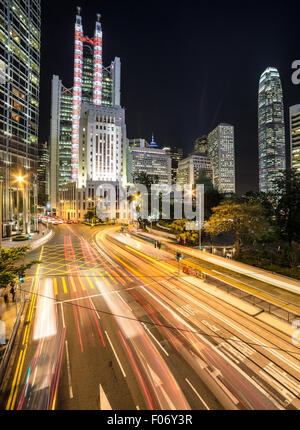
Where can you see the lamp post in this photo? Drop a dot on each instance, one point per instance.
(20, 181)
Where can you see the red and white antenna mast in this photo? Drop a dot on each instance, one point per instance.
(77, 94)
(98, 63)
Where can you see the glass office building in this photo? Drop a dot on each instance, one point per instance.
(20, 31)
(271, 129)
(295, 136)
(221, 151)
(64, 135)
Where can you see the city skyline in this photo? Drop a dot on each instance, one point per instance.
(207, 92)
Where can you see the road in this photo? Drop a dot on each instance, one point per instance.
(108, 326)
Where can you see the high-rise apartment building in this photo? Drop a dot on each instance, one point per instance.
(94, 84)
(295, 136)
(221, 151)
(271, 129)
(20, 32)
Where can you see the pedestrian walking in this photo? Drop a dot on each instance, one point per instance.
(5, 296)
(13, 293)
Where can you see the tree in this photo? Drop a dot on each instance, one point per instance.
(90, 215)
(9, 270)
(178, 228)
(287, 212)
(212, 199)
(238, 218)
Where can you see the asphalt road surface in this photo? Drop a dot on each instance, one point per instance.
(110, 325)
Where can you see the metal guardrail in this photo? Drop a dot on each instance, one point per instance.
(264, 304)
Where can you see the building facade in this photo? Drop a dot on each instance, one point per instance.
(192, 168)
(221, 151)
(176, 155)
(152, 161)
(43, 171)
(201, 146)
(271, 129)
(295, 137)
(102, 145)
(93, 84)
(20, 33)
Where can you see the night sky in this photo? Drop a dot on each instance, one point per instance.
(186, 66)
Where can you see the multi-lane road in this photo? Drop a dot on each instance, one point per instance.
(110, 325)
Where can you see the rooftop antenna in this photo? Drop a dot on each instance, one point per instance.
(78, 10)
(98, 17)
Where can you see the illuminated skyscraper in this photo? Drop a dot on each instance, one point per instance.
(271, 129)
(295, 136)
(221, 151)
(19, 98)
(93, 84)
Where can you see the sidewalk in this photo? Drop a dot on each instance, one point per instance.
(37, 239)
(283, 282)
(8, 312)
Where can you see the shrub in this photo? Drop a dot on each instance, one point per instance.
(20, 239)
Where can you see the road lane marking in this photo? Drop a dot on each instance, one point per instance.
(82, 284)
(62, 314)
(69, 371)
(14, 389)
(73, 283)
(158, 343)
(116, 355)
(64, 285)
(55, 287)
(197, 394)
(90, 282)
(104, 403)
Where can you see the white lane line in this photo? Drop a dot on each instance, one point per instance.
(104, 403)
(69, 371)
(117, 358)
(197, 394)
(154, 338)
(63, 316)
(98, 316)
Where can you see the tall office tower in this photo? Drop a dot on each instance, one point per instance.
(271, 129)
(93, 84)
(153, 161)
(102, 145)
(192, 168)
(176, 155)
(20, 33)
(295, 136)
(201, 146)
(43, 173)
(222, 154)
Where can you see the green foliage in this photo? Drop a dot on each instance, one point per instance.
(20, 239)
(212, 199)
(90, 216)
(284, 261)
(9, 270)
(287, 212)
(242, 219)
(178, 228)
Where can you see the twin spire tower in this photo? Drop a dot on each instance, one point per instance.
(78, 82)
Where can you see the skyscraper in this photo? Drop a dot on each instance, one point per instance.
(93, 84)
(295, 136)
(201, 146)
(19, 98)
(271, 129)
(221, 151)
(176, 155)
